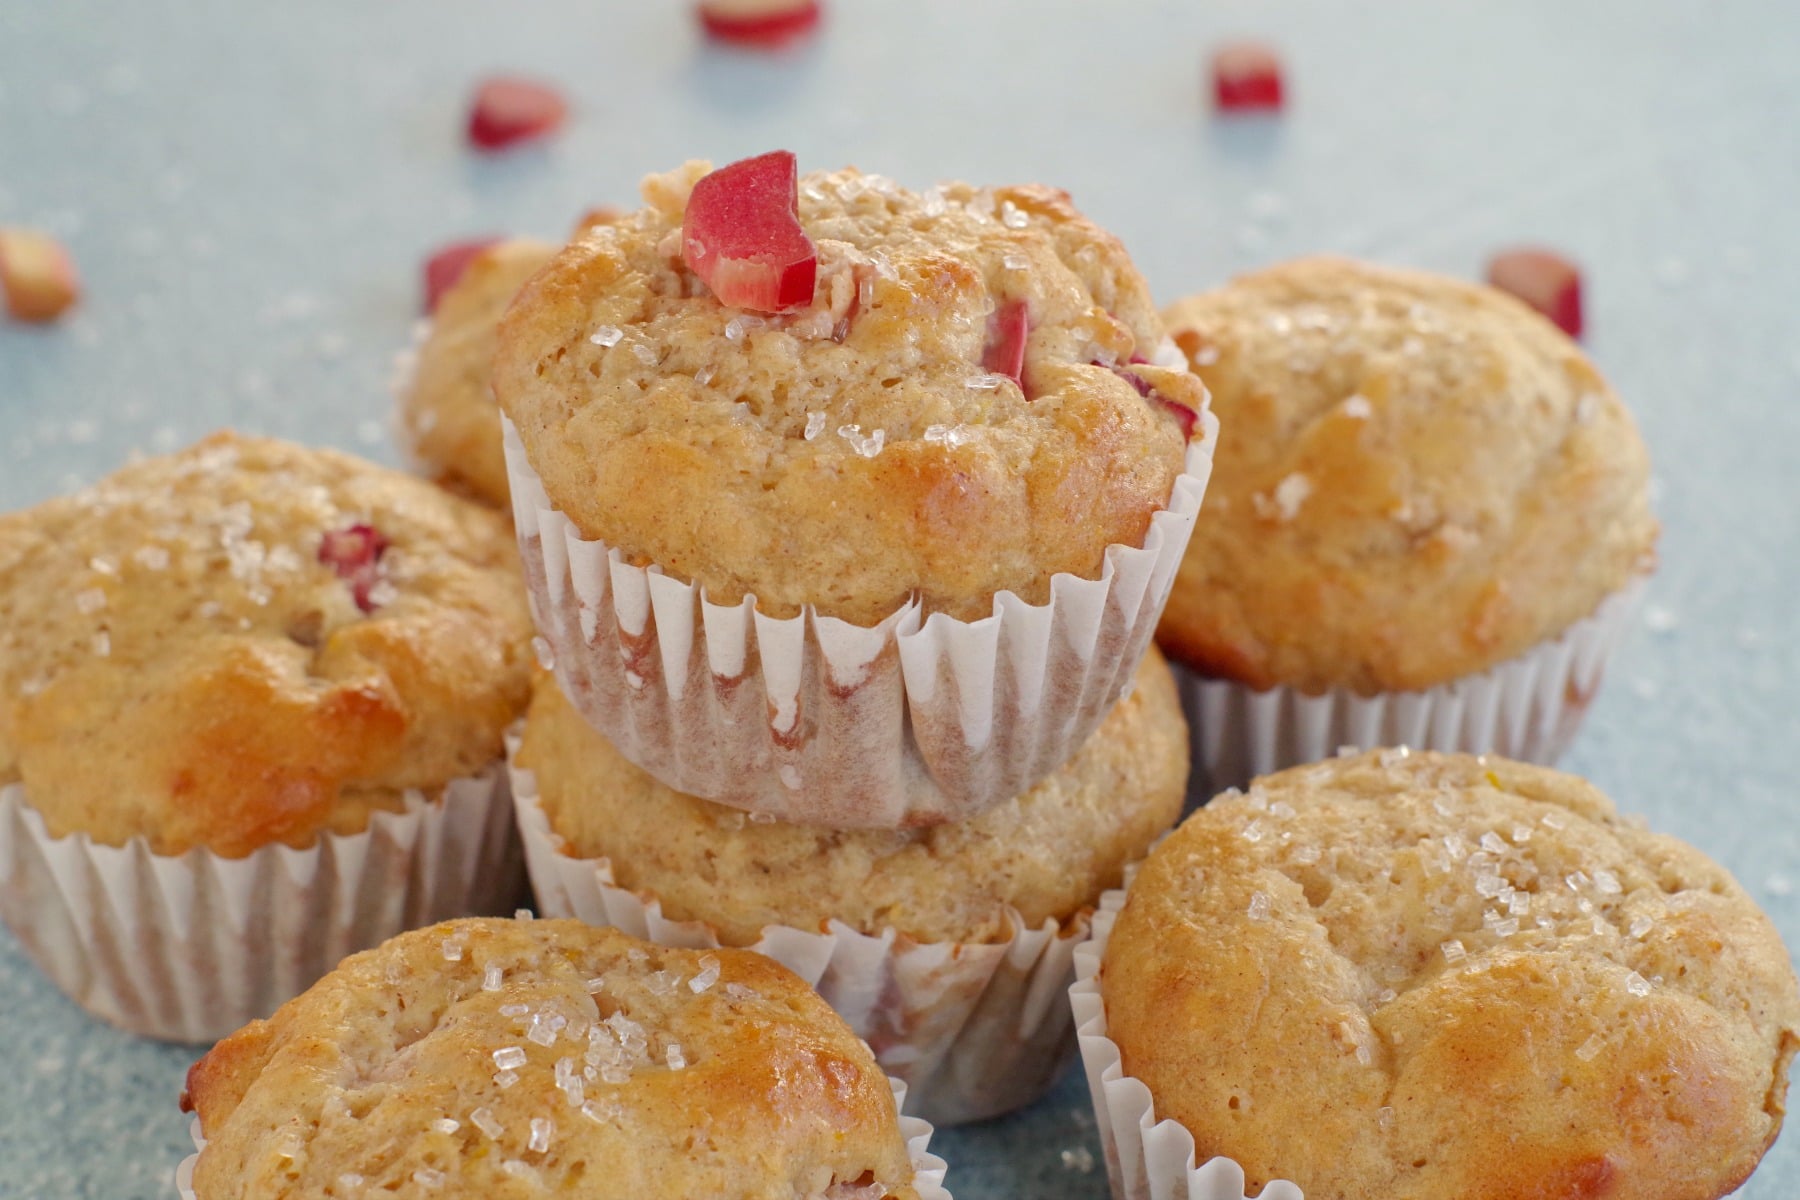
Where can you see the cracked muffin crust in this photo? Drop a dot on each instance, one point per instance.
(515, 1059)
(1417, 479)
(1046, 854)
(447, 412)
(251, 642)
(853, 452)
(1410, 976)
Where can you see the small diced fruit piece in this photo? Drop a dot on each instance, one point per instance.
(447, 265)
(761, 24)
(742, 235)
(508, 110)
(37, 275)
(355, 554)
(1246, 77)
(1543, 279)
(1184, 416)
(1007, 330)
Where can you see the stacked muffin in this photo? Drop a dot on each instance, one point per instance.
(871, 553)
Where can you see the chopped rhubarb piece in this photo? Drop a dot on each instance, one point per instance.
(1007, 330)
(508, 110)
(1137, 381)
(1246, 77)
(1184, 416)
(445, 267)
(37, 275)
(1543, 279)
(355, 554)
(742, 235)
(759, 24)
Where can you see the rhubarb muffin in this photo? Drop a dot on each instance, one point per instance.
(490, 1058)
(1422, 975)
(941, 410)
(835, 398)
(243, 647)
(994, 904)
(1420, 480)
(448, 417)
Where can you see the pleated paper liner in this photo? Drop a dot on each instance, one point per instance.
(915, 720)
(973, 1029)
(1146, 1159)
(928, 1168)
(1526, 708)
(190, 947)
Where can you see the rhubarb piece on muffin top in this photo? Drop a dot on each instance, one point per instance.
(968, 399)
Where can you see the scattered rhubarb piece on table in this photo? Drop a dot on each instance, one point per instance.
(37, 275)
(447, 265)
(507, 110)
(759, 24)
(1007, 330)
(1543, 279)
(742, 235)
(1246, 77)
(355, 554)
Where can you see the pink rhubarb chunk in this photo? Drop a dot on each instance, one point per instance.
(1246, 77)
(447, 265)
(355, 554)
(759, 24)
(1007, 330)
(508, 110)
(1184, 416)
(1543, 279)
(742, 235)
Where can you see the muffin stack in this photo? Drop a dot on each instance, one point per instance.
(872, 566)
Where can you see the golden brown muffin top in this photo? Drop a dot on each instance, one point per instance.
(447, 411)
(504, 1060)
(1417, 479)
(1047, 854)
(1427, 975)
(855, 452)
(177, 663)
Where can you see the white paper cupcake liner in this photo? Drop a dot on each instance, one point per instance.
(973, 1029)
(190, 947)
(1527, 708)
(1146, 1159)
(817, 721)
(928, 1168)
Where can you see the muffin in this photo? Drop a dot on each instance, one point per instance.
(1429, 515)
(252, 706)
(1424, 975)
(493, 1058)
(938, 945)
(904, 541)
(448, 418)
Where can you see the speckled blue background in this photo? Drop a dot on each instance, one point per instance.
(249, 189)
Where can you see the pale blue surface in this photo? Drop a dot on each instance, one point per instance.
(249, 189)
